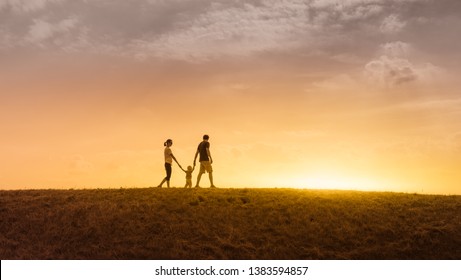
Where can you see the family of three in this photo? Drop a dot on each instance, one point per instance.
(203, 151)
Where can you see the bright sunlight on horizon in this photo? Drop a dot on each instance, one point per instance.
(351, 95)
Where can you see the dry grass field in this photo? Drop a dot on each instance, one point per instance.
(227, 224)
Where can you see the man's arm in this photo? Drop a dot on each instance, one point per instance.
(209, 155)
(195, 158)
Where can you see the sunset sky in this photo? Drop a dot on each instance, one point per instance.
(338, 94)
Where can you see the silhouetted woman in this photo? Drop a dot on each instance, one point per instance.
(169, 157)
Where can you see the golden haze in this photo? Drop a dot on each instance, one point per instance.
(84, 125)
(311, 94)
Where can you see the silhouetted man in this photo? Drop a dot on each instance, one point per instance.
(205, 159)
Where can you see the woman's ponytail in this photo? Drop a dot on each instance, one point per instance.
(167, 141)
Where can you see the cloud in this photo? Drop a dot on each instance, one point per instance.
(396, 49)
(20, 6)
(347, 10)
(232, 29)
(6, 40)
(41, 30)
(393, 71)
(204, 30)
(398, 65)
(392, 24)
(236, 30)
(387, 71)
(340, 4)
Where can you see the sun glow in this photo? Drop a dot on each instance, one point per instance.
(338, 182)
(378, 111)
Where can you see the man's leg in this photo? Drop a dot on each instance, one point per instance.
(199, 176)
(211, 180)
(200, 173)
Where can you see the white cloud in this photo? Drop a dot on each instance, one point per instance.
(393, 71)
(26, 5)
(387, 71)
(392, 24)
(363, 12)
(271, 26)
(341, 4)
(243, 29)
(202, 30)
(396, 49)
(42, 30)
(347, 10)
(231, 31)
(6, 40)
(397, 63)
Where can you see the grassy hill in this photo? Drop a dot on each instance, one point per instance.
(227, 224)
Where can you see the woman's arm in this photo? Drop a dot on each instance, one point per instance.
(173, 157)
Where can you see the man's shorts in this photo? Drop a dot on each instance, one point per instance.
(205, 166)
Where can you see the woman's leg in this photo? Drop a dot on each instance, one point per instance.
(163, 181)
(168, 174)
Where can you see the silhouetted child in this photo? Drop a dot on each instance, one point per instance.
(189, 171)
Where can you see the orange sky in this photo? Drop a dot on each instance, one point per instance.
(357, 95)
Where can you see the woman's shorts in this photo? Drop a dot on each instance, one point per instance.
(168, 171)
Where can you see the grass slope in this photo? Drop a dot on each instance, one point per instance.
(227, 224)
